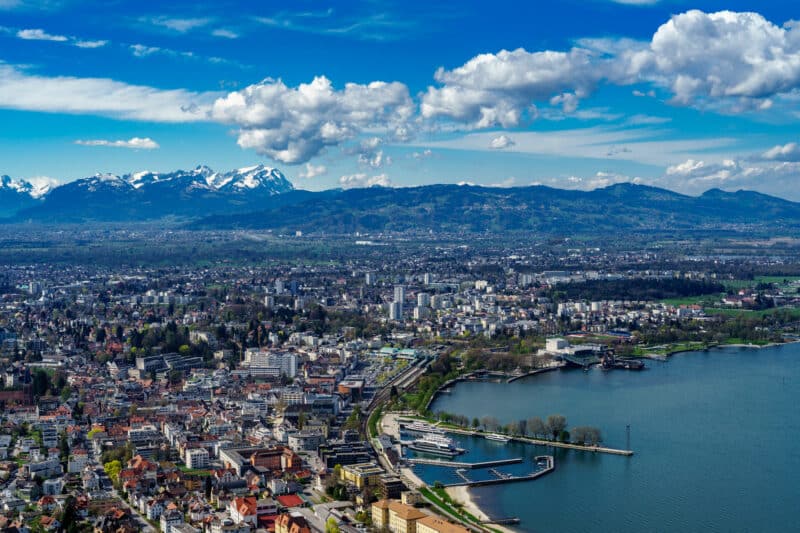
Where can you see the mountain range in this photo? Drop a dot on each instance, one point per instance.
(615, 209)
(260, 197)
(143, 195)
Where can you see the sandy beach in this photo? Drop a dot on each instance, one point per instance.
(462, 494)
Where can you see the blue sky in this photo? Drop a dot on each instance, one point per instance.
(573, 94)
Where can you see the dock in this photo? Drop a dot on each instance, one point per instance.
(534, 372)
(553, 443)
(456, 464)
(550, 465)
(504, 521)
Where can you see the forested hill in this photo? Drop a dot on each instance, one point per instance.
(542, 209)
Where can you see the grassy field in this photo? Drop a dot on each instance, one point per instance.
(705, 300)
(795, 313)
(667, 349)
(194, 471)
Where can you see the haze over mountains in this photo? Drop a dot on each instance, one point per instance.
(261, 197)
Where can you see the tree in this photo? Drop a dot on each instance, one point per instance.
(331, 526)
(536, 427)
(63, 446)
(555, 425)
(490, 423)
(66, 392)
(113, 468)
(41, 382)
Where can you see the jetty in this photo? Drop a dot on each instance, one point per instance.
(542, 442)
(456, 464)
(549, 466)
(537, 371)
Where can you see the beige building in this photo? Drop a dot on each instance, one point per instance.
(395, 516)
(434, 524)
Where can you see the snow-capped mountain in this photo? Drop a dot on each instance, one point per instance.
(240, 180)
(250, 178)
(148, 195)
(19, 194)
(99, 182)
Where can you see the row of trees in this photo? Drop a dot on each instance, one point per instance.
(554, 427)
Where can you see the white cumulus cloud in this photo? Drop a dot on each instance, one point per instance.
(91, 44)
(40, 35)
(498, 89)
(312, 171)
(361, 180)
(726, 61)
(137, 143)
(785, 152)
(500, 142)
(294, 124)
(724, 55)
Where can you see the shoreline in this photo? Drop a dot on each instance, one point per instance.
(462, 495)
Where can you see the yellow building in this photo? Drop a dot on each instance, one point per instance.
(403, 518)
(380, 514)
(361, 475)
(434, 524)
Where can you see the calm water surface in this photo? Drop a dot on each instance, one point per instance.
(716, 436)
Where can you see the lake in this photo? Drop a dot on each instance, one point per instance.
(716, 436)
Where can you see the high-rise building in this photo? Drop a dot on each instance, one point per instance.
(427, 278)
(399, 293)
(396, 311)
(369, 278)
(423, 299)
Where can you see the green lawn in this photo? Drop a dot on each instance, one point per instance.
(194, 471)
(795, 313)
(705, 300)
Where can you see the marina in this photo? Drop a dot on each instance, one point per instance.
(545, 464)
(660, 406)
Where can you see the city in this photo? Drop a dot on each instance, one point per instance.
(399, 267)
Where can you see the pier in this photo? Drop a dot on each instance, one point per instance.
(553, 443)
(550, 465)
(503, 521)
(456, 464)
(534, 372)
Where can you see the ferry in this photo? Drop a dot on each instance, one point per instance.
(497, 438)
(436, 445)
(420, 428)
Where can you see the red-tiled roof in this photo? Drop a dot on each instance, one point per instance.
(290, 500)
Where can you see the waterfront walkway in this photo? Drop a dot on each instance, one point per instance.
(501, 477)
(456, 464)
(541, 442)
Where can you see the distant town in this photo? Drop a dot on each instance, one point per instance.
(284, 394)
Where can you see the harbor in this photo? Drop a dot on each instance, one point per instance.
(544, 465)
(657, 404)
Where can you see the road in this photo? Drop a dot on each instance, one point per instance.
(105, 482)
